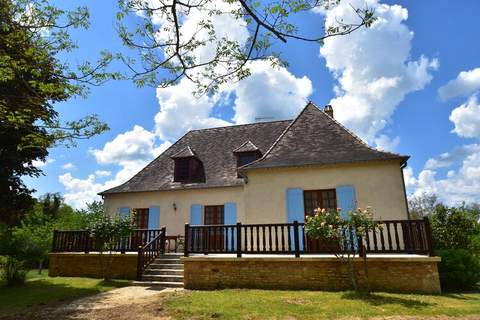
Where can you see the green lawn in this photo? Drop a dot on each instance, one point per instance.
(41, 289)
(262, 304)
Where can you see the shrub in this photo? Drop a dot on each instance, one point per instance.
(12, 271)
(459, 269)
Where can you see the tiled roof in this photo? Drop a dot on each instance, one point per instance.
(312, 138)
(214, 147)
(184, 153)
(246, 147)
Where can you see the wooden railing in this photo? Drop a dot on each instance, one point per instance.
(80, 241)
(396, 237)
(150, 251)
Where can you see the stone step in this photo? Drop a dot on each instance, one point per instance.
(155, 265)
(163, 278)
(163, 284)
(150, 271)
(167, 261)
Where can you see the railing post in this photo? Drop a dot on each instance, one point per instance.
(186, 241)
(239, 240)
(296, 239)
(428, 231)
(139, 263)
(86, 248)
(162, 240)
(54, 241)
(361, 249)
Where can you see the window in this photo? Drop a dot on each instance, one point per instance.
(313, 199)
(141, 218)
(188, 170)
(246, 157)
(214, 215)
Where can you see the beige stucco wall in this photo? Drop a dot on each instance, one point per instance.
(262, 199)
(378, 185)
(175, 220)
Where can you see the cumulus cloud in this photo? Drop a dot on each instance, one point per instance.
(68, 166)
(131, 151)
(466, 83)
(385, 143)
(466, 118)
(272, 93)
(373, 78)
(41, 164)
(459, 185)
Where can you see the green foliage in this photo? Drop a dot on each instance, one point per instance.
(459, 269)
(422, 205)
(13, 272)
(329, 226)
(456, 238)
(107, 230)
(455, 228)
(33, 79)
(166, 60)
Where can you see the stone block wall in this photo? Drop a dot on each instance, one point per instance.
(418, 274)
(124, 266)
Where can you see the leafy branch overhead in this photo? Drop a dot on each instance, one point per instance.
(35, 75)
(203, 41)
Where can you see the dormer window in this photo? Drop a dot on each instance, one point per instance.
(244, 158)
(246, 153)
(188, 168)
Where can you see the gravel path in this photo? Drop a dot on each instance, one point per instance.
(134, 302)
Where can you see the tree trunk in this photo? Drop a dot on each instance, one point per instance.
(353, 276)
(40, 266)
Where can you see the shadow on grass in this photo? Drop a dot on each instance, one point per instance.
(375, 299)
(48, 291)
(460, 295)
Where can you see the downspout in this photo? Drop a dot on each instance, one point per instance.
(403, 164)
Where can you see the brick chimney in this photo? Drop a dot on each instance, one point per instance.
(328, 110)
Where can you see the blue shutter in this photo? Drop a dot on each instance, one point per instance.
(124, 212)
(295, 211)
(196, 214)
(154, 217)
(230, 217)
(347, 202)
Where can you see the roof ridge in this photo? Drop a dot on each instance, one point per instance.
(279, 137)
(240, 125)
(356, 137)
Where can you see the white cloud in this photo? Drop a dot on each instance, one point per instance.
(466, 83)
(373, 66)
(466, 118)
(68, 166)
(131, 151)
(41, 164)
(102, 173)
(181, 111)
(272, 93)
(134, 145)
(458, 185)
(385, 143)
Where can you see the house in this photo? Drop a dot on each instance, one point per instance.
(266, 172)
(238, 197)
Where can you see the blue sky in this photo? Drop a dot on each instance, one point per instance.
(383, 83)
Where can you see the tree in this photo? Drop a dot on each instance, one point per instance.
(33, 36)
(343, 235)
(186, 39)
(422, 205)
(107, 231)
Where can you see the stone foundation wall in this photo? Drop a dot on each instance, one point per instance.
(418, 274)
(124, 266)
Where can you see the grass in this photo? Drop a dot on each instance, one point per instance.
(42, 289)
(263, 304)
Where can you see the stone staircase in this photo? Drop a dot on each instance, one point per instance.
(166, 271)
